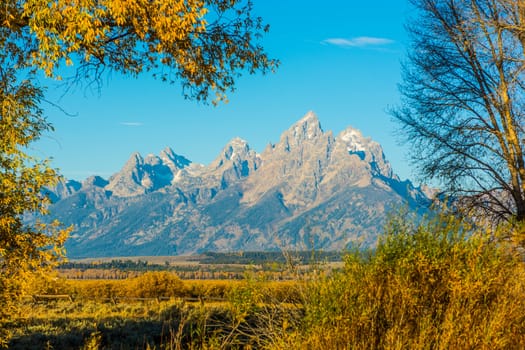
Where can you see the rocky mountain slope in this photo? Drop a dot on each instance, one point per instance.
(310, 190)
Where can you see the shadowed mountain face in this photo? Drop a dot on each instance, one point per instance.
(310, 190)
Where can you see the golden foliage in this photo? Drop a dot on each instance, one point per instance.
(24, 250)
(203, 44)
(441, 285)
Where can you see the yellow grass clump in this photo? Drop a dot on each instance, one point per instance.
(440, 284)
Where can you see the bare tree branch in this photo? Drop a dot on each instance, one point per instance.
(463, 101)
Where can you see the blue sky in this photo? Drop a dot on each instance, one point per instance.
(340, 59)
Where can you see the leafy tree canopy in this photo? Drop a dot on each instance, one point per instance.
(202, 44)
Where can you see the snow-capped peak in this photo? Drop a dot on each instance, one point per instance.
(236, 147)
(354, 140)
(238, 143)
(366, 149)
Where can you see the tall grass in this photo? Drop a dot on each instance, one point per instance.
(439, 284)
(436, 284)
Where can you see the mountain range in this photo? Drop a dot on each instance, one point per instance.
(310, 190)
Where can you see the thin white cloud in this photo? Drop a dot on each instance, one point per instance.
(131, 123)
(361, 41)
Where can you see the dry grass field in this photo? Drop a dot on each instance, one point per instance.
(440, 284)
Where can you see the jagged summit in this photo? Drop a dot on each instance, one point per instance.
(173, 160)
(95, 181)
(309, 190)
(307, 128)
(236, 160)
(152, 160)
(63, 189)
(135, 158)
(238, 141)
(237, 148)
(143, 175)
(354, 139)
(367, 150)
(309, 117)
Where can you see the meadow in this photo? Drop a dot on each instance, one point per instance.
(438, 284)
(155, 310)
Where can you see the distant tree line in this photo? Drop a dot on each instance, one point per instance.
(138, 265)
(212, 265)
(264, 258)
(214, 258)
